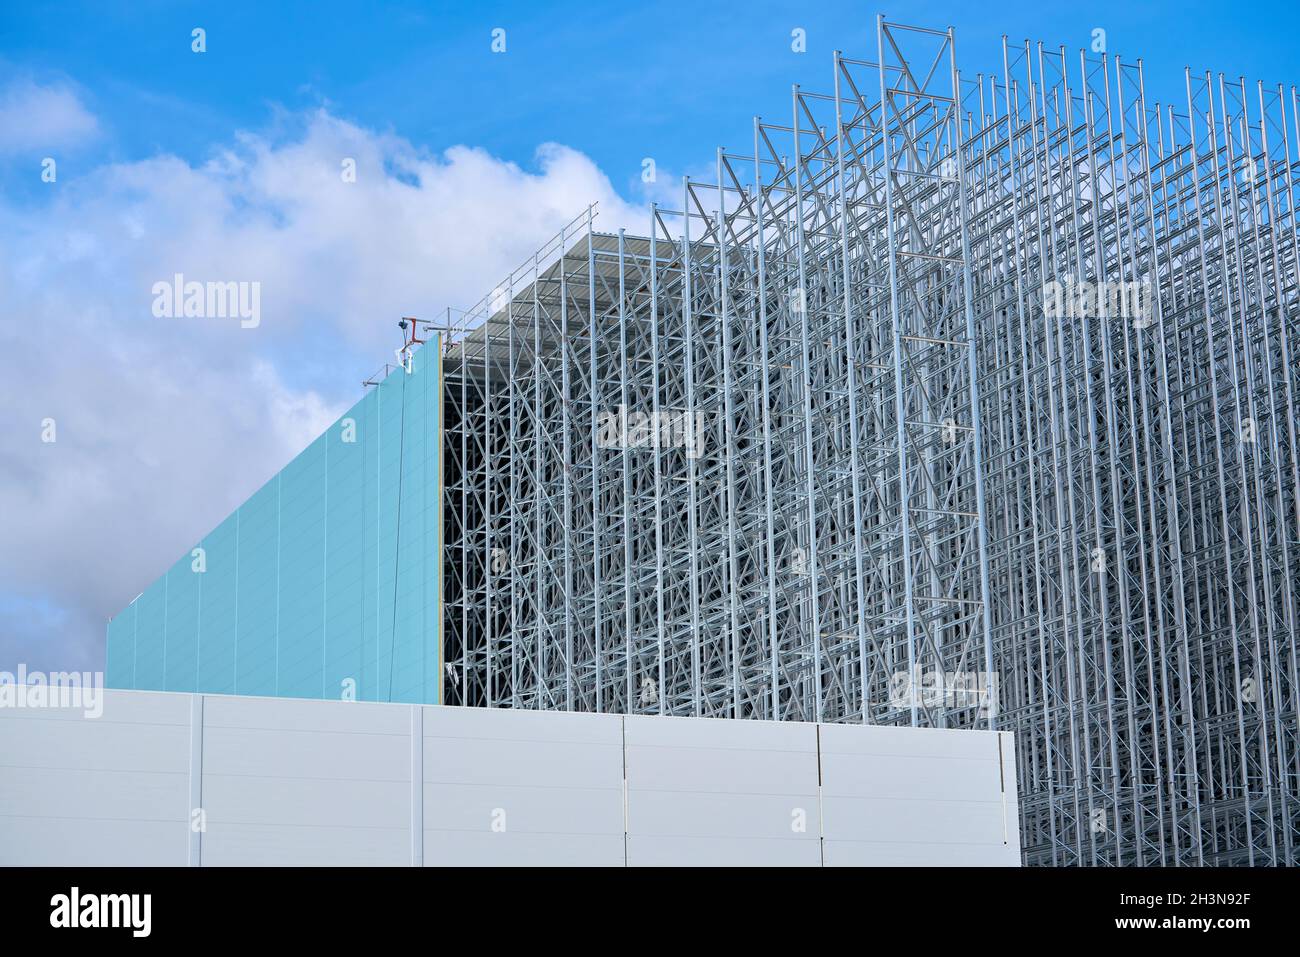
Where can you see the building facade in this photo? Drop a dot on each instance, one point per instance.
(951, 400)
(955, 401)
(325, 583)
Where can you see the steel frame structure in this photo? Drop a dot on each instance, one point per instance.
(851, 442)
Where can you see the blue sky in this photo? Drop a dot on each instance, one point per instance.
(224, 165)
(616, 81)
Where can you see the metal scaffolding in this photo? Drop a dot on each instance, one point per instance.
(955, 402)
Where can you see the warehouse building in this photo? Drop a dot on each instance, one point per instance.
(961, 402)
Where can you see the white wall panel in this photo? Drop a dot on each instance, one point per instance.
(923, 796)
(261, 845)
(288, 781)
(522, 787)
(91, 842)
(1010, 797)
(728, 793)
(305, 714)
(482, 849)
(670, 851)
(87, 791)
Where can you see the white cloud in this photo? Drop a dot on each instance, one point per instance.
(165, 425)
(36, 117)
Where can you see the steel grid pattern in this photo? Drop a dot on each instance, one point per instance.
(876, 448)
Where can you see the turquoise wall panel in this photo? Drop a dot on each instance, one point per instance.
(325, 583)
(119, 670)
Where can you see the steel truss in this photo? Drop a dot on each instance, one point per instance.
(822, 431)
